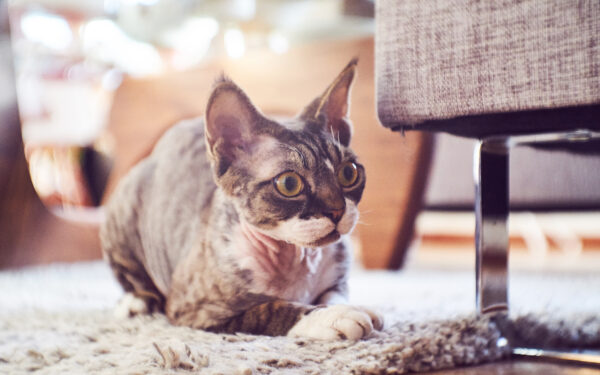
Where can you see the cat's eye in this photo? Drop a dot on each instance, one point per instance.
(289, 184)
(347, 174)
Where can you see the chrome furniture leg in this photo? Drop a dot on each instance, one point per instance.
(491, 232)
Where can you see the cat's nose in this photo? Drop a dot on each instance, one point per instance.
(334, 215)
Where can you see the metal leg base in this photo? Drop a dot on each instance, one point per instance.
(586, 358)
(491, 236)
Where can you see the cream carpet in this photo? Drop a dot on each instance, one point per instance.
(58, 320)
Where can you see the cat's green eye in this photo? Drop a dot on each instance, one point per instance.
(289, 184)
(348, 174)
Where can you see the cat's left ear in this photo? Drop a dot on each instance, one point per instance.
(333, 106)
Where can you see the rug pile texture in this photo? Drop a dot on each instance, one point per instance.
(58, 319)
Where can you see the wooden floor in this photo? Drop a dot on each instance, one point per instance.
(518, 367)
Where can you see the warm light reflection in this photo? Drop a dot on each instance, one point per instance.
(47, 29)
(191, 41)
(146, 2)
(57, 175)
(105, 41)
(278, 43)
(235, 44)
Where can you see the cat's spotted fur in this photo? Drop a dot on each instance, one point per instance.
(200, 231)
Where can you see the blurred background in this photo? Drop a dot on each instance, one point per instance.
(72, 56)
(98, 81)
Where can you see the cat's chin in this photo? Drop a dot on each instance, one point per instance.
(332, 237)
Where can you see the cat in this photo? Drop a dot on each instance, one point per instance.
(237, 222)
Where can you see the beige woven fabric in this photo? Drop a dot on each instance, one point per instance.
(441, 59)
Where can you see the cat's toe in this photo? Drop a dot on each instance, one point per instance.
(336, 322)
(376, 319)
(130, 305)
(353, 328)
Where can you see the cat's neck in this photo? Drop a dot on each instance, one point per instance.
(251, 244)
(275, 255)
(262, 242)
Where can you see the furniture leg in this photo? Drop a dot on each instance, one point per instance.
(491, 233)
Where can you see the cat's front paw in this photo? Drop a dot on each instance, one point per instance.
(337, 322)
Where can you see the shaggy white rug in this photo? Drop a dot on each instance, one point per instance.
(58, 319)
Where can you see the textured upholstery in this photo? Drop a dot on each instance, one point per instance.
(492, 66)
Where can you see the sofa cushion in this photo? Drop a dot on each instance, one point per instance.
(466, 59)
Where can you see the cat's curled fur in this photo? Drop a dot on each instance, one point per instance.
(238, 222)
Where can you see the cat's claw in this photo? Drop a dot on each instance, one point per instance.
(130, 305)
(337, 322)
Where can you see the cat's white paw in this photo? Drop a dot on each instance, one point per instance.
(130, 305)
(337, 322)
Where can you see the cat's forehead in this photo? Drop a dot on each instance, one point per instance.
(315, 147)
(308, 130)
(297, 149)
(299, 125)
(293, 124)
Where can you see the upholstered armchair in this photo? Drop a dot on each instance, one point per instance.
(506, 73)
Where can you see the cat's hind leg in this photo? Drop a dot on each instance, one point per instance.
(122, 247)
(141, 295)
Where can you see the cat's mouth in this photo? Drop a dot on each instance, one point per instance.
(333, 236)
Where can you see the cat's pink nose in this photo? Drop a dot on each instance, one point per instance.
(335, 215)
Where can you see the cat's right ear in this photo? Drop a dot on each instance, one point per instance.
(230, 119)
(333, 106)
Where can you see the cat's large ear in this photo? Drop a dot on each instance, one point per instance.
(231, 122)
(333, 106)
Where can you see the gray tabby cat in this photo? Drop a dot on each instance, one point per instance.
(239, 223)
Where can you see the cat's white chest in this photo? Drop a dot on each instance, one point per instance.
(306, 279)
(293, 274)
